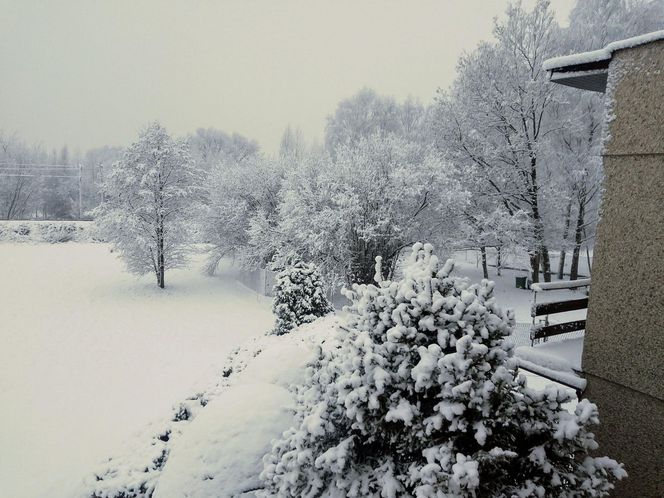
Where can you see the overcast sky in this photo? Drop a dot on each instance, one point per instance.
(91, 72)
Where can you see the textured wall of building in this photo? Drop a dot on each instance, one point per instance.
(631, 432)
(623, 355)
(635, 100)
(625, 331)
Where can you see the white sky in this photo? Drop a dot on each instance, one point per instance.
(92, 72)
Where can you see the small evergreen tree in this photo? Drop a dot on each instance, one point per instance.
(299, 297)
(418, 396)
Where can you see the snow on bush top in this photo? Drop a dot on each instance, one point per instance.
(418, 396)
(601, 54)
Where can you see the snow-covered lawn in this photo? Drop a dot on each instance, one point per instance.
(89, 355)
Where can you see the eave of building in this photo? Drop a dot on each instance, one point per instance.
(589, 70)
(584, 79)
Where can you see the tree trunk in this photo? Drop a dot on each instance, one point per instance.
(561, 264)
(546, 263)
(578, 239)
(537, 221)
(160, 253)
(499, 260)
(161, 268)
(485, 270)
(563, 253)
(585, 236)
(534, 266)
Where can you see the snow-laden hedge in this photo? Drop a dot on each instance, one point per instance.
(213, 443)
(51, 232)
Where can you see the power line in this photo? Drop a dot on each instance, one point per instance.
(34, 172)
(7, 163)
(37, 176)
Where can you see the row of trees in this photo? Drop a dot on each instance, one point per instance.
(530, 146)
(41, 185)
(35, 183)
(503, 159)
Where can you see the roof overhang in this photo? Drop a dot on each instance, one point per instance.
(589, 70)
(591, 77)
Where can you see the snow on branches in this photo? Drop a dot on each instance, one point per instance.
(299, 297)
(418, 396)
(148, 210)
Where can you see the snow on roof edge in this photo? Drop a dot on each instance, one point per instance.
(603, 53)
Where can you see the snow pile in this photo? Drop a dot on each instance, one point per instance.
(299, 297)
(601, 54)
(418, 396)
(45, 231)
(214, 442)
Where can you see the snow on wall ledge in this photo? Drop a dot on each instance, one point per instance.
(603, 53)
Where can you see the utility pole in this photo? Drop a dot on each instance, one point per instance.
(80, 191)
(101, 181)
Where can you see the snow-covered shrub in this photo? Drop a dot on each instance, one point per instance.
(299, 297)
(55, 233)
(52, 232)
(418, 396)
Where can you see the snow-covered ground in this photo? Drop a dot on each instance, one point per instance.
(89, 355)
(93, 359)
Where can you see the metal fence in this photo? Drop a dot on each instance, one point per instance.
(521, 335)
(261, 281)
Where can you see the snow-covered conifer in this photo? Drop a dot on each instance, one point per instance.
(418, 396)
(299, 297)
(148, 207)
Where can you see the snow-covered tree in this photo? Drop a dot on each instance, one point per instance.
(299, 297)
(210, 146)
(241, 195)
(576, 142)
(497, 228)
(18, 185)
(496, 116)
(148, 209)
(366, 113)
(418, 396)
(373, 199)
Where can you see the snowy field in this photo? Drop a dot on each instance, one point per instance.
(89, 355)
